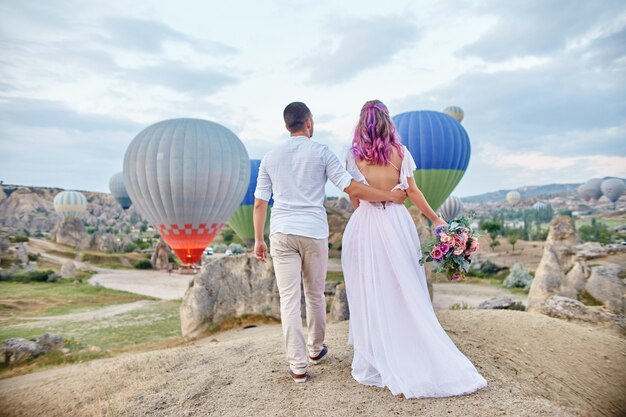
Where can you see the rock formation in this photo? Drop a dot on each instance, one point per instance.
(228, 287)
(160, 256)
(68, 269)
(71, 232)
(339, 310)
(564, 280)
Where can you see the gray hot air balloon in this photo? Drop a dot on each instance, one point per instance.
(451, 208)
(592, 187)
(116, 185)
(187, 177)
(538, 206)
(613, 188)
(513, 197)
(583, 193)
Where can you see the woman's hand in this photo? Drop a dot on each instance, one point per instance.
(439, 222)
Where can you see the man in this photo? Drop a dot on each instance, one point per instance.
(296, 174)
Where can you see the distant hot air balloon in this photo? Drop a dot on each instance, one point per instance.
(583, 193)
(70, 203)
(538, 206)
(441, 149)
(242, 221)
(116, 185)
(187, 177)
(613, 188)
(455, 112)
(513, 197)
(451, 208)
(593, 188)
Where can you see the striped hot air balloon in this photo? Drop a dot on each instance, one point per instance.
(455, 112)
(242, 221)
(441, 149)
(583, 193)
(513, 197)
(593, 188)
(538, 206)
(118, 190)
(613, 188)
(70, 203)
(187, 177)
(451, 208)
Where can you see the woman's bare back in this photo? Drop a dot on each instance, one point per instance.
(383, 177)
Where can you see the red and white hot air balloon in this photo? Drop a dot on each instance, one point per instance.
(187, 177)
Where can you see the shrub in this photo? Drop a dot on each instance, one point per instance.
(33, 256)
(220, 248)
(29, 276)
(142, 264)
(129, 247)
(460, 306)
(236, 249)
(518, 278)
(18, 238)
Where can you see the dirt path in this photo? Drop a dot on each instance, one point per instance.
(534, 365)
(449, 293)
(158, 284)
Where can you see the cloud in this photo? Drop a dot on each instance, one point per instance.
(50, 114)
(150, 36)
(538, 27)
(361, 44)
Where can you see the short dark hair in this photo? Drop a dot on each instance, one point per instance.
(295, 115)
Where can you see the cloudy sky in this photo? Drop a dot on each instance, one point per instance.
(542, 82)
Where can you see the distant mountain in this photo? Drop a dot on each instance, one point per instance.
(550, 190)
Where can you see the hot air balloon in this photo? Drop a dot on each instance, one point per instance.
(593, 188)
(70, 203)
(451, 208)
(116, 185)
(441, 149)
(513, 197)
(186, 177)
(242, 221)
(455, 112)
(538, 206)
(583, 193)
(613, 188)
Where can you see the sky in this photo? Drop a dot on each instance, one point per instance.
(542, 82)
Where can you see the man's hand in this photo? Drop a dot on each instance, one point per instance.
(399, 196)
(260, 250)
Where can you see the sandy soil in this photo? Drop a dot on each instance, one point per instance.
(526, 253)
(449, 293)
(535, 366)
(157, 284)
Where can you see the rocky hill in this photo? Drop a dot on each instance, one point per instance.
(544, 191)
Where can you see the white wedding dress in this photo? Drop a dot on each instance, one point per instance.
(398, 341)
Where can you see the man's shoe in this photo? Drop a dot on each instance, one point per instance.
(316, 360)
(298, 378)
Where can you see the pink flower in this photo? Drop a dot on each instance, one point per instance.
(444, 247)
(456, 277)
(473, 246)
(443, 237)
(436, 253)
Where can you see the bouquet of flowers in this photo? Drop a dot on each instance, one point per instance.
(451, 248)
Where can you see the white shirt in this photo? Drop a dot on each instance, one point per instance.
(296, 174)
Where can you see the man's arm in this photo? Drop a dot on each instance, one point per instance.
(342, 179)
(262, 195)
(259, 216)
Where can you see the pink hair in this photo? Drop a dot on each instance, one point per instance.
(375, 134)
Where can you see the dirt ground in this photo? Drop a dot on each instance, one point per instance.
(535, 366)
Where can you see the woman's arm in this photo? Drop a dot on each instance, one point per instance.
(417, 198)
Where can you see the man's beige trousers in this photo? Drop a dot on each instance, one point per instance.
(299, 259)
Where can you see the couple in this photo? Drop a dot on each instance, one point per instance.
(398, 342)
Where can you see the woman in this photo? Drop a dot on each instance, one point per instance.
(398, 342)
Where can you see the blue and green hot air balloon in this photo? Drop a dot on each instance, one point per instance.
(441, 149)
(242, 221)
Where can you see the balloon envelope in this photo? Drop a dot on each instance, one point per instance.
(613, 188)
(441, 149)
(455, 112)
(70, 203)
(242, 220)
(583, 193)
(513, 197)
(187, 177)
(118, 190)
(451, 208)
(538, 206)
(593, 188)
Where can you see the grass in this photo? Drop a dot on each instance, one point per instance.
(152, 327)
(55, 298)
(334, 276)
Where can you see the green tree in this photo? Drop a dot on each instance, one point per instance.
(493, 228)
(512, 238)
